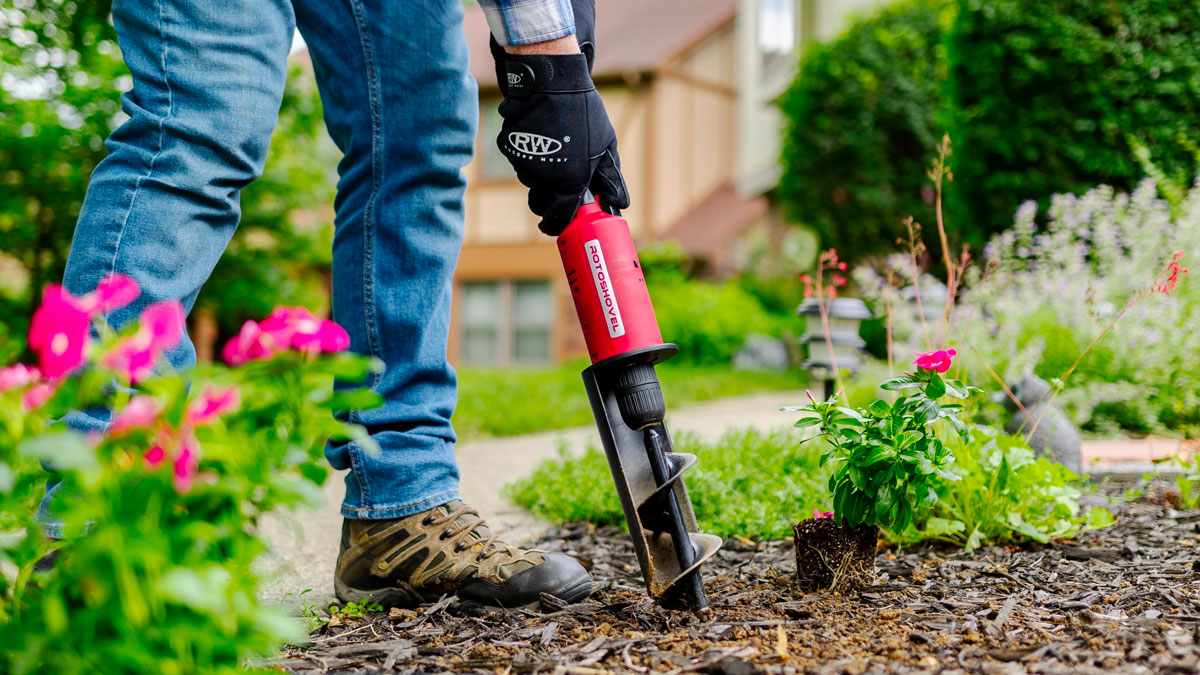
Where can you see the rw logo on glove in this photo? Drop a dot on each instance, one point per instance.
(533, 144)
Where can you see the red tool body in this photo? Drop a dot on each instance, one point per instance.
(625, 343)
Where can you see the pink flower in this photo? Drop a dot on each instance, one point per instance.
(140, 413)
(818, 514)
(17, 376)
(328, 337)
(114, 292)
(59, 332)
(36, 396)
(212, 404)
(163, 321)
(284, 322)
(1174, 269)
(154, 456)
(160, 328)
(250, 344)
(938, 360)
(186, 462)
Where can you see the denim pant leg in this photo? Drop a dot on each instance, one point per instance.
(208, 79)
(401, 104)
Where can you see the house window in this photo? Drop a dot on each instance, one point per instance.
(776, 35)
(493, 164)
(505, 322)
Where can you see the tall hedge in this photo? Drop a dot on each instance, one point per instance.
(1046, 94)
(861, 127)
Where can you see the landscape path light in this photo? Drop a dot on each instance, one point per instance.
(844, 316)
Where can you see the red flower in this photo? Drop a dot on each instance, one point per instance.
(1174, 269)
(59, 332)
(938, 361)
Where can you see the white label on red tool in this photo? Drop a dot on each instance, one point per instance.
(608, 299)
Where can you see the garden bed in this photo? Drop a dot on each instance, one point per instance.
(1124, 599)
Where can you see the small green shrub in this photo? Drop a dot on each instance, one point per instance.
(1047, 93)
(861, 127)
(887, 458)
(710, 321)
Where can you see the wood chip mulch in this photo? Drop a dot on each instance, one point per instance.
(1123, 600)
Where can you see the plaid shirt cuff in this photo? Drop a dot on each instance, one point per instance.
(523, 22)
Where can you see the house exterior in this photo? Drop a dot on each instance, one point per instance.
(688, 85)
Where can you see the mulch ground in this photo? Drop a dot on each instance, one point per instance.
(1123, 600)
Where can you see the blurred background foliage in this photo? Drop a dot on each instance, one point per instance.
(60, 93)
(1039, 98)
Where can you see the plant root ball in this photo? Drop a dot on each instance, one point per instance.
(832, 557)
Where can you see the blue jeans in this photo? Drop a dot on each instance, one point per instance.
(208, 78)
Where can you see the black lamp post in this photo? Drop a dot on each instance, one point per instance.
(844, 315)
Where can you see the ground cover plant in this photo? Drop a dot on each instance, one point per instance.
(153, 570)
(488, 404)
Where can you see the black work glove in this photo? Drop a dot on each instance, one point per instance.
(556, 133)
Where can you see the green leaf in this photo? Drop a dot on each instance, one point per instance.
(936, 388)
(7, 478)
(901, 382)
(355, 399)
(942, 527)
(956, 389)
(807, 422)
(65, 451)
(1099, 518)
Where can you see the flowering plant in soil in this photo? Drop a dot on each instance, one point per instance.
(887, 457)
(160, 513)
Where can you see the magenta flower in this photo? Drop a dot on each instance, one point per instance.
(114, 292)
(140, 413)
(160, 328)
(818, 514)
(250, 344)
(938, 361)
(59, 332)
(212, 404)
(17, 376)
(284, 322)
(186, 462)
(154, 456)
(328, 337)
(36, 396)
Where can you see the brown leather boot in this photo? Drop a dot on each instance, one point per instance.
(449, 549)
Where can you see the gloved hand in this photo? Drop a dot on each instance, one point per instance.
(556, 133)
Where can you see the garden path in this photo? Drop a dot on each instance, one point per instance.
(304, 543)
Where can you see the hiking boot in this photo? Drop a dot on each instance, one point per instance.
(403, 562)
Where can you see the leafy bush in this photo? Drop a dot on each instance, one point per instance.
(861, 125)
(154, 572)
(710, 321)
(1046, 93)
(748, 483)
(1096, 253)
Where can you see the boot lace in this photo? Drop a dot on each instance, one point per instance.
(457, 530)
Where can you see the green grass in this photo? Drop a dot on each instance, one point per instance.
(749, 483)
(511, 401)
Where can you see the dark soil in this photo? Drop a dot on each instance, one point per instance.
(1122, 600)
(832, 557)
